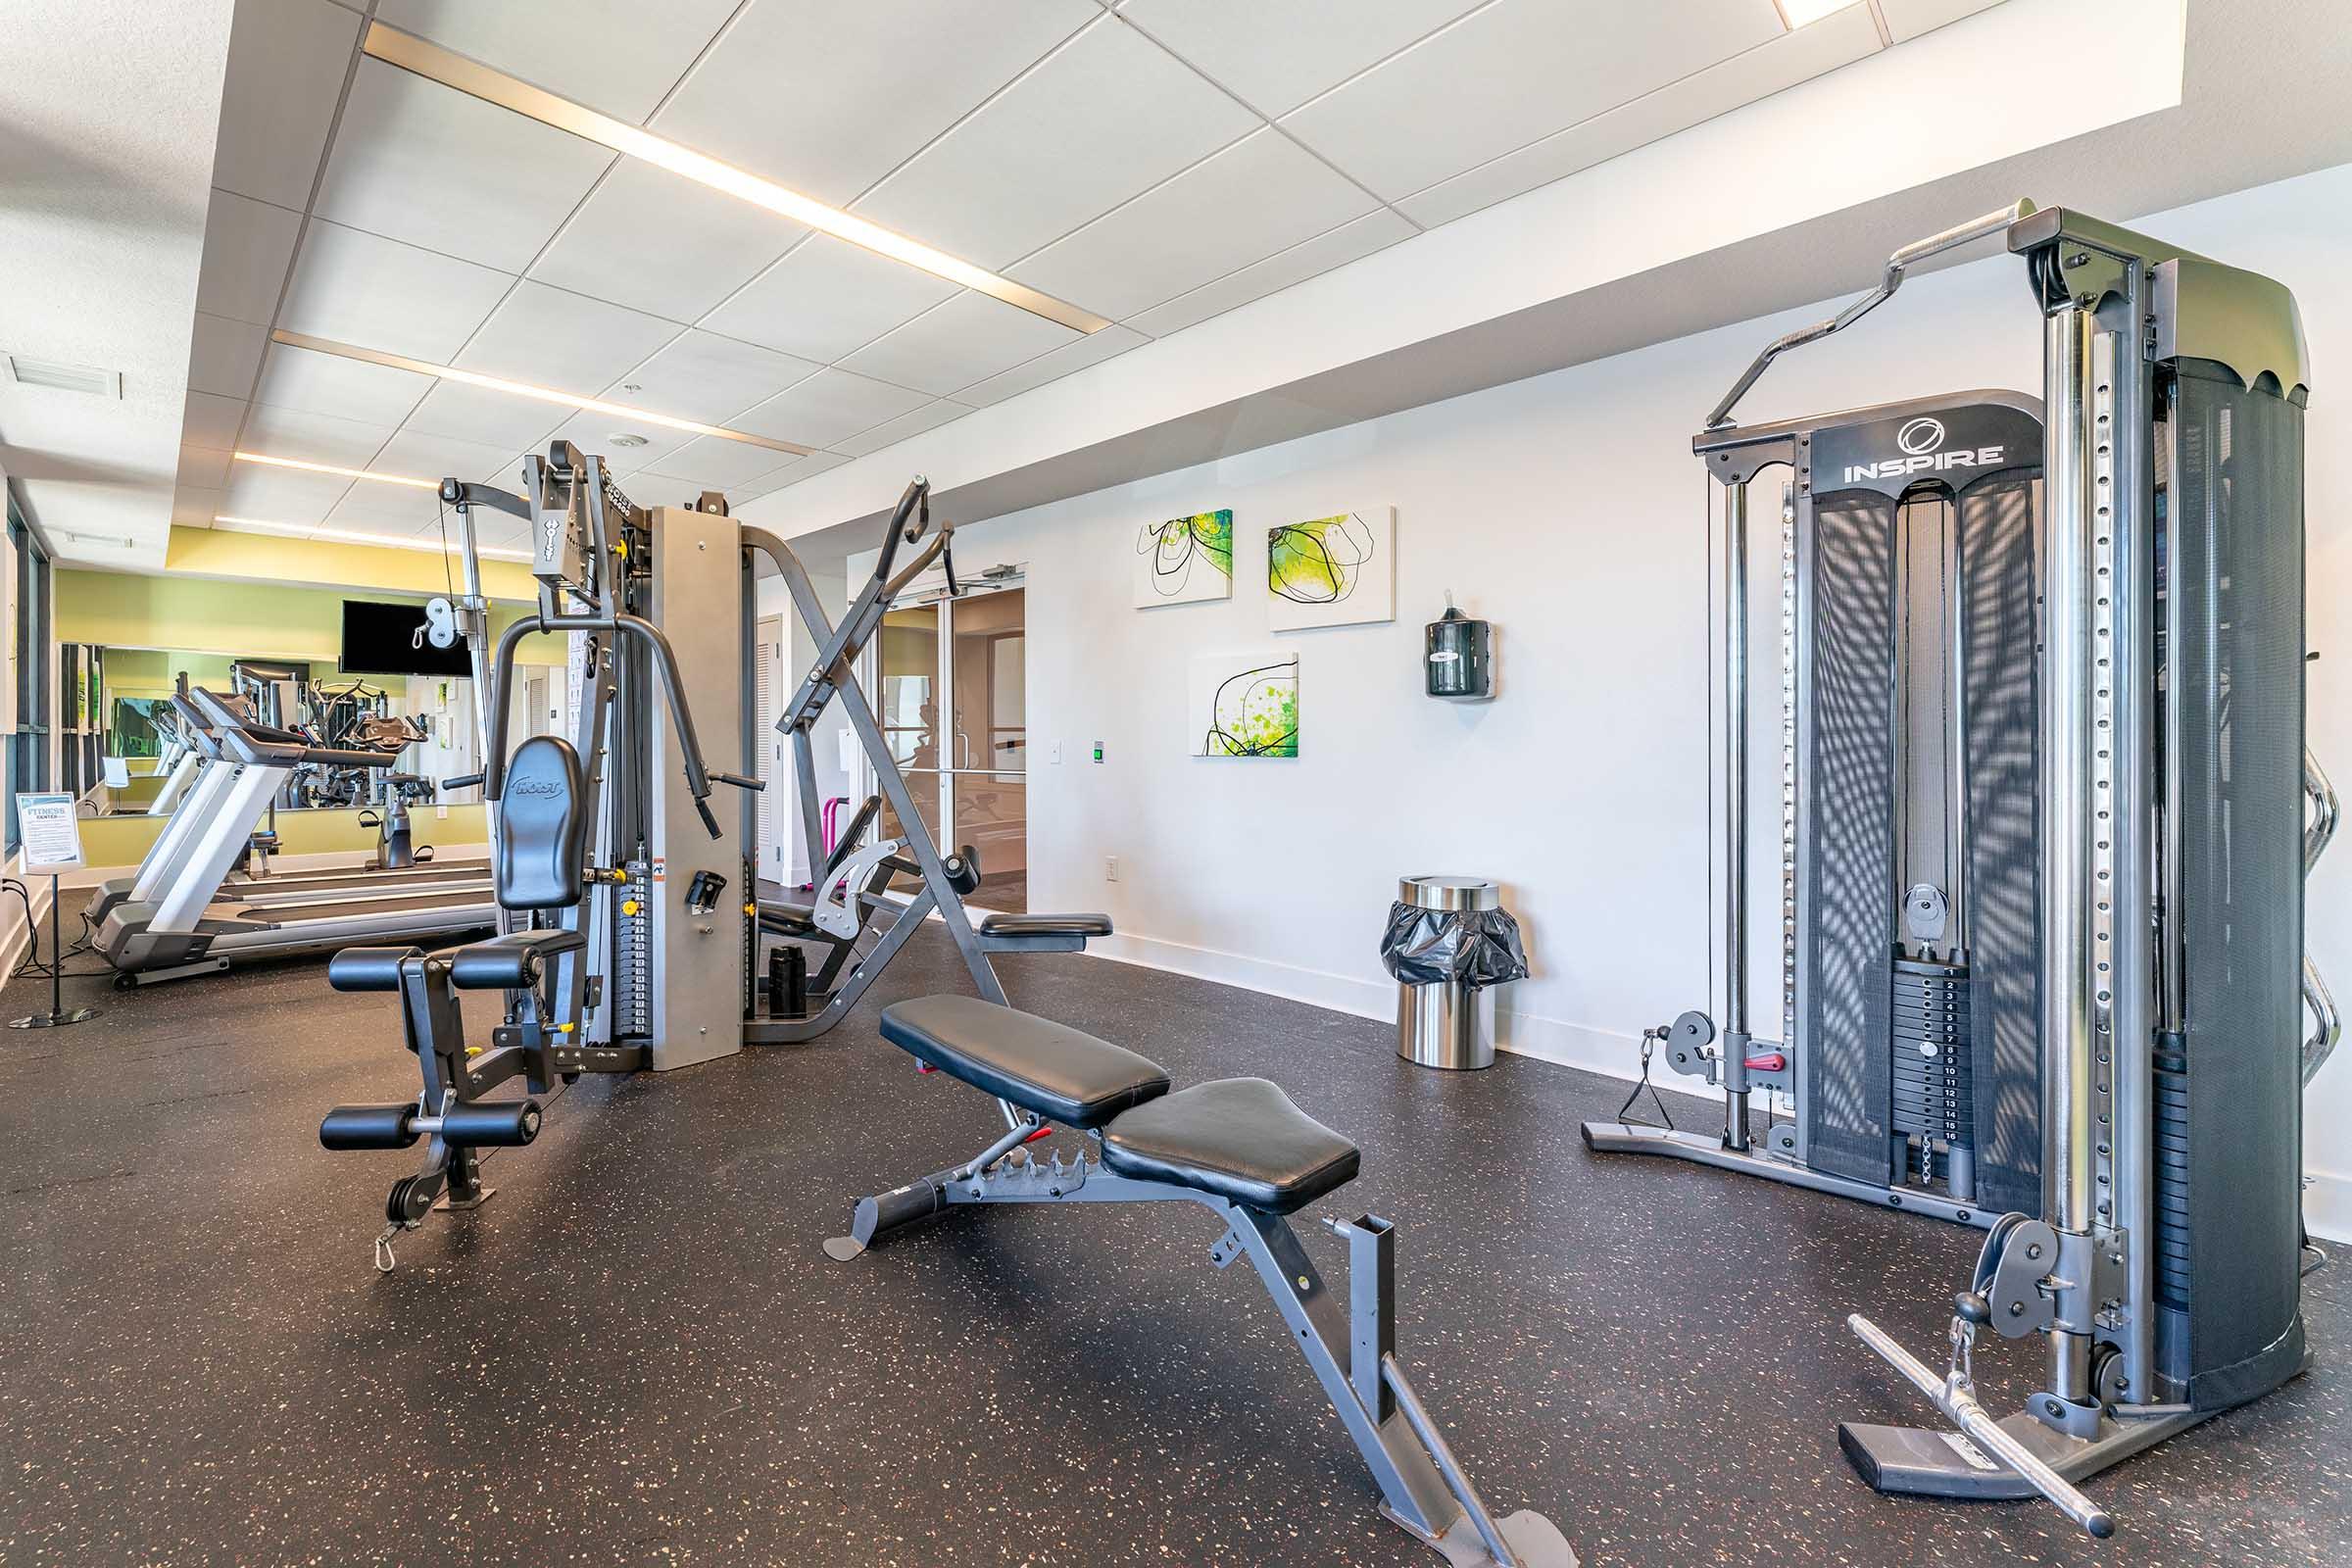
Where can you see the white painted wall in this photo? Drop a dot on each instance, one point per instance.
(1568, 510)
(825, 737)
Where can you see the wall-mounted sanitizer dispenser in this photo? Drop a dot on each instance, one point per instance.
(1459, 662)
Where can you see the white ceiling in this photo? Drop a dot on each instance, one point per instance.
(1158, 162)
(107, 114)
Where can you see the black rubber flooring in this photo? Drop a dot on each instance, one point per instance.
(638, 1354)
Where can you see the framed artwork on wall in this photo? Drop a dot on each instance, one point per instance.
(1245, 705)
(1184, 561)
(1339, 570)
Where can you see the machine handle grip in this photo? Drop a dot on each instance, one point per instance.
(464, 781)
(755, 785)
(703, 807)
(1770, 1061)
(1959, 1404)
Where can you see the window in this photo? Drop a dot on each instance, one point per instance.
(26, 747)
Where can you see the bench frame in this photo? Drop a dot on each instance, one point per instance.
(1352, 1351)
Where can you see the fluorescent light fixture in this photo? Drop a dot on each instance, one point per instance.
(523, 389)
(347, 473)
(1795, 14)
(436, 63)
(319, 534)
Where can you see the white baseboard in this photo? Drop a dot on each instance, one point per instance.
(16, 937)
(1611, 1053)
(2327, 1205)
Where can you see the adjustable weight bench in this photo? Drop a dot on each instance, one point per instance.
(1239, 1147)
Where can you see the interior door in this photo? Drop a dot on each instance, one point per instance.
(967, 761)
(778, 811)
(989, 741)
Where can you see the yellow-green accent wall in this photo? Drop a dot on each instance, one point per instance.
(118, 841)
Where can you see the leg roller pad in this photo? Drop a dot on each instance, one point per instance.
(369, 1127)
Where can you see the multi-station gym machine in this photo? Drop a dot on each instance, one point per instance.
(659, 961)
(2046, 813)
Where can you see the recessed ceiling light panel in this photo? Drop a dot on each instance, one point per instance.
(347, 473)
(523, 389)
(469, 76)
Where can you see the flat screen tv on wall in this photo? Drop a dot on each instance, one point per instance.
(380, 639)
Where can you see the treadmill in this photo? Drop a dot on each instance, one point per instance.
(180, 917)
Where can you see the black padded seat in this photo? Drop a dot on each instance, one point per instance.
(542, 832)
(1238, 1138)
(1059, 1072)
(1046, 925)
(788, 917)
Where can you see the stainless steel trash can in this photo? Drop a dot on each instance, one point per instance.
(1450, 1024)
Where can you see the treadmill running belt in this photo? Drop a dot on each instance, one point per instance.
(283, 914)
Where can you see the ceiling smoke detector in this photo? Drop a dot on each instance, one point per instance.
(59, 377)
(626, 439)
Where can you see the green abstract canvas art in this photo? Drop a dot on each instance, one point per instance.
(1184, 560)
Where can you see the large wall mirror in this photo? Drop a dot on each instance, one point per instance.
(420, 722)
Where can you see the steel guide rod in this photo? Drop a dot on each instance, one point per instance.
(1734, 818)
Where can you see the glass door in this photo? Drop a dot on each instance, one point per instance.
(966, 768)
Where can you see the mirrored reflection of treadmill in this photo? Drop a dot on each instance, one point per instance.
(181, 920)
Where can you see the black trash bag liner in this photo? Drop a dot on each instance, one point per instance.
(1477, 946)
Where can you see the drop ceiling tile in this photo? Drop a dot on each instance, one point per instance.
(193, 506)
(593, 434)
(417, 161)
(212, 421)
(360, 288)
(203, 468)
(1837, 39)
(808, 467)
(564, 341)
(1908, 18)
(1277, 54)
(1070, 358)
(654, 242)
(616, 56)
(827, 98)
(224, 355)
(704, 377)
(477, 414)
(826, 298)
(1264, 194)
(347, 389)
(1106, 118)
(247, 245)
(286, 63)
(1527, 68)
(827, 406)
(968, 339)
(389, 508)
(282, 433)
(719, 463)
(421, 455)
(930, 417)
(281, 495)
(1349, 241)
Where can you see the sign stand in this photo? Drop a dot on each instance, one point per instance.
(52, 842)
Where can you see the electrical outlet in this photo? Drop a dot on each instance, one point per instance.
(441, 812)
(1110, 868)
(1057, 754)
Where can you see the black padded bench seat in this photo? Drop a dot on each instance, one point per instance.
(1046, 925)
(1236, 1138)
(1040, 1065)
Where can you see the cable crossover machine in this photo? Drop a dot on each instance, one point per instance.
(2045, 815)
